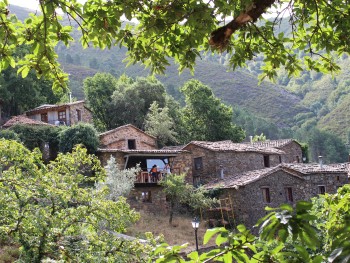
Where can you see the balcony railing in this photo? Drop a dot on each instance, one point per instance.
(146, 177)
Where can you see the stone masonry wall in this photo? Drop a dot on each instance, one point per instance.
(118, 139)
(293, 153)
(182, 163)
(119, 158)
(248, 201)
(237, 162)
(86, 115)
(138, 199)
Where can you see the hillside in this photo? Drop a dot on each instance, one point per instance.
(312, 97)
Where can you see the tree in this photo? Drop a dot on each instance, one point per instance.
(206, 117)
(119, 182)
(180, 30)
(159, 124)
(180, 192)
(98, 91)
(82, 133)
(14, 90)
(50, 213)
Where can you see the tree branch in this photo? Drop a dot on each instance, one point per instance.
(220, 38)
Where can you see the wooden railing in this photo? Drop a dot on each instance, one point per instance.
(146, 177)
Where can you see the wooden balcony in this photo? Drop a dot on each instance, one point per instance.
(146, 178)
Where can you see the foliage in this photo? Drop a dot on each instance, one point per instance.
(159, 124)
(180, 192)
(259, 138)
(205, 117)
(311, 233)
(119, 182)
(14, 90)
(322, 143)
(45, 209)
(33, 136)
(98, 91)
(9, 135)
(180, 30)
(82, 133)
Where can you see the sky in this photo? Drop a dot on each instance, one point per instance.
(31, 4)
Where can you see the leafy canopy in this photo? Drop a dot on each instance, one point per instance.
(180, 30)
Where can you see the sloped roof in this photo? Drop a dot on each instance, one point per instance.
(22, 119)
(52, 106)
(297, 170)
(142, 152)
(229, 146)
(123, 127)
(274, 143)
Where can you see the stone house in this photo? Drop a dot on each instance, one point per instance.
(250, 192)
(131, 146)
(212, 160)
(64, 114)
(291, 148)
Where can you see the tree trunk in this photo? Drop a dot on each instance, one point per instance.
(172, 205)
(220, 38)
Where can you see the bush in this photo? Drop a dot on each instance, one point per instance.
(9, 135)
(82, 133)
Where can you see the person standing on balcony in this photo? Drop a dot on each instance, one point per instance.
(154, 173)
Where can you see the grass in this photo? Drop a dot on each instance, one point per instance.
(178, 233)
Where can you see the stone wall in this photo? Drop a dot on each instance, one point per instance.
(182, 163)
(86, 115)
(118, 139)
(248, 201)
(230, 162)
(293, 153)
(119, 158)
(151, 199)
(237, 162)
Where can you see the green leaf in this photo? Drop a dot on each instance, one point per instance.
(210, 233)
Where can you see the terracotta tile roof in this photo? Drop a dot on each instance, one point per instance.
(22, 119)
(150, 152)
(229, 146)
(52, 106)
(122, 127)
(298, 170)
(273, 143)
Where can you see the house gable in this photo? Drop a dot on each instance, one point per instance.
(127, 137)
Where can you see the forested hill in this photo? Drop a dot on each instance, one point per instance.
(292, 102)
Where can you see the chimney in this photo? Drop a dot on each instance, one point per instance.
(251, 139)
(320, 161)
(221, 172)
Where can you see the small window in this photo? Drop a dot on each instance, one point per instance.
(44, 117)
(146, 197)
(62, 116)
(266, 161)
(266, 194)
(79, 115)
(198, 163)
(338, 178)
(280, 158)
(321, 189)
(288, 191)
(131, 144)
(298, 159)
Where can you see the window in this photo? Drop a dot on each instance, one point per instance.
(266, 161)
(44, 117)
(298, 159)
(131, 144)
(62, 116)
(321, 189)
(198, 163)
(79, 115)
(280, 158)
(146, 197)
(288, 192)
(266, 194)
